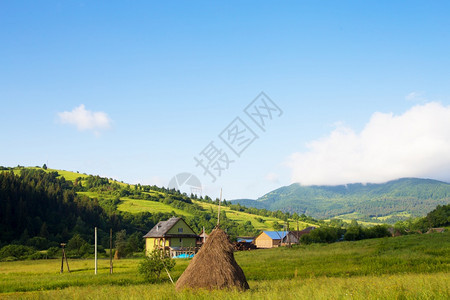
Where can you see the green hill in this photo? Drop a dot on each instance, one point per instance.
(388, 202)
(51, 206)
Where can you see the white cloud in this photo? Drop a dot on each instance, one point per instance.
(272, 177)
(85, 119)
(414, 144)
(415, 96)
(155, 180)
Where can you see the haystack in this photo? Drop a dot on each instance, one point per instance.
(214, 266)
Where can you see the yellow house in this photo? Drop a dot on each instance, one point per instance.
(173, 234)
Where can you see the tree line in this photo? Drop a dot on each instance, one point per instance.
(336, 231)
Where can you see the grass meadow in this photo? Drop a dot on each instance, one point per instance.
(242, 217)
(409, 267)
(137, 206)
(68, 175)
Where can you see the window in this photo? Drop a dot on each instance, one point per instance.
(180, 230)
(181, 240)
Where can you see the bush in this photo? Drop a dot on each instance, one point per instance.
(121, 244)
(76, 247)
(54, 252)
(37, 255)
(153, 264)
(377, 231)
(354, 233)
(322, 235)
(16, 252)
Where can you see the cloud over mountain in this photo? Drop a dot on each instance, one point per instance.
(413, 144)
(85, 119)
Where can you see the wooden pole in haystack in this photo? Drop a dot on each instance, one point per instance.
(204, 235)
(218, 211)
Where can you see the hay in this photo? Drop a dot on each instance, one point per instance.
(214, 266)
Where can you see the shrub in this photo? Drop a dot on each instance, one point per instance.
(354, 233)
(76, 246)
(121, 244)
(153, 264)
(37, 255)
(54, 252)
(376, 231)
(15, 252)
(322, 235)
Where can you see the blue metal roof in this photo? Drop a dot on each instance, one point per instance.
(245, 240)
(276, 235)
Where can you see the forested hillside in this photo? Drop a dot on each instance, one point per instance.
(389, 202)
(41, 209)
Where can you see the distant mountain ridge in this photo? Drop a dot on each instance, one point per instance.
(386, 202)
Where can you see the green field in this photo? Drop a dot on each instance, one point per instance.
(68, 175)
(357, 216)
(400, 214)
(242, 217)
(136, 206)
(408, 267)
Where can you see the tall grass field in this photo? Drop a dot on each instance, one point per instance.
(408, 267)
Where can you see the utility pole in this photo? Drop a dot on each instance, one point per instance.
(95, 250)
(62, 260)
(110, 252)
(288, 232)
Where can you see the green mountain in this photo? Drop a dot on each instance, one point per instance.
(387, 202)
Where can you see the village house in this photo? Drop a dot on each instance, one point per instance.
(173, 235)
(244, 243)
(298, 233)
(433, 230)
(272, 239)
(202, 238)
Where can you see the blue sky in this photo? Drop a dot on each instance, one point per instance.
(364, 88)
